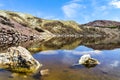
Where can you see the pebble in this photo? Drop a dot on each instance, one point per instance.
(44, 72)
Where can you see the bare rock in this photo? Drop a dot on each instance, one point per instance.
(87, 61)
(19, 59)
(44, 72)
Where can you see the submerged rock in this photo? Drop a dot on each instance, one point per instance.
(44, 72)
(88, 62)
(19, 59)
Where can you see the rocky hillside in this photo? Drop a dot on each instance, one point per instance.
(108, 28)
(21, 23)
(104, 24)
(30, 27)
(16, 28)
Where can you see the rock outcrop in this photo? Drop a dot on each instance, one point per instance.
(38, 28)
(23, 24)
(104, 24)
(18, 59)
(88, 62)
(107, 28)
(11, 36)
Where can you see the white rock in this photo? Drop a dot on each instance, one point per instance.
(19, 58)
(44, 72)
(87, 60)
(84, 58)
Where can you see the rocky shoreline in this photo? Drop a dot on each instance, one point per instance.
(11, 36)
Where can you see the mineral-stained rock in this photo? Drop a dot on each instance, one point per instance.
(88, 62)
(19, 59)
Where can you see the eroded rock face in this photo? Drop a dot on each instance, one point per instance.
(88, 62)
(19, 59)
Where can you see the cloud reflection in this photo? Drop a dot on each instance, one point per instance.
(83, 52)
(77, 51)
(115, 64)
(49, 52)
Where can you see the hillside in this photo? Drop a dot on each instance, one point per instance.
(108, 28)
(30, 27)
(103, 24)
(22, 23)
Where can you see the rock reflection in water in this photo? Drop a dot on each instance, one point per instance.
(64, 43)
(26, 44)
(60, 63)
(71, 43)
(90, 65)
(78, 66)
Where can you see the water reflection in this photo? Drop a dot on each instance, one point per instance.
(78, 66)
(90, 65)
(65, 43)
(71, 43)
(26, 44)
(61, 63)
(60, 54)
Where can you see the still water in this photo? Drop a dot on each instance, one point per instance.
(59, 57)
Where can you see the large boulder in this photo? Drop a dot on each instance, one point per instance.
(88, 62)
(19, 59)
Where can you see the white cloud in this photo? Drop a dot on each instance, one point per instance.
(115, 3)
(72, 9)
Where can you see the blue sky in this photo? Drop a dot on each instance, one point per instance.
(81, 11)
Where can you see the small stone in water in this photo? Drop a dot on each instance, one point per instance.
(44, 72)
(88, 62)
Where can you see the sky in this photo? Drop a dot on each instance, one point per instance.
(81, 11)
